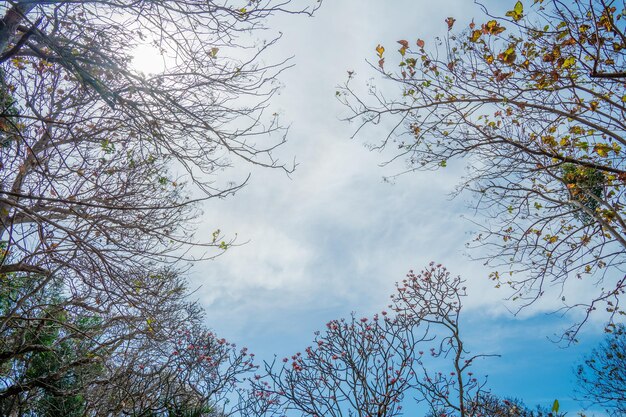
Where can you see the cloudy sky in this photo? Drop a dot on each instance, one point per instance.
(333, 237)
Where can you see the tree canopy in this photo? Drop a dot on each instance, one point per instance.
(534, 103)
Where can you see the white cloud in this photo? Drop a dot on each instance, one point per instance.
(333, 237)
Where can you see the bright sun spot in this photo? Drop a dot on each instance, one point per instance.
(148, 59)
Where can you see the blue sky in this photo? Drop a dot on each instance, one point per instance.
(333, 237)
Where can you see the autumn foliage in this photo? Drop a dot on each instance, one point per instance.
(533, 103)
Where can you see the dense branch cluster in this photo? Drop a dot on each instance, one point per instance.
(101, 167)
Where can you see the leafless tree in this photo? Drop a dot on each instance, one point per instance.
(102, 167)
(367, 366)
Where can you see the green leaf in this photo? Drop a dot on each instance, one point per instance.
(555, 406)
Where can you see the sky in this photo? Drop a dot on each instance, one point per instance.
(333, 237)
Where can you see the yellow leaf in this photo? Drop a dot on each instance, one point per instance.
(616, 148)
(569, 62)
(602, 149)
(492, 27)
(518, 11)
(577, 130)
(475, 35)
(549, 140)
(380, 50)
(508, 56)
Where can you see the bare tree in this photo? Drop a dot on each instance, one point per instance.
(434, 298)
(102, 167)
(367, 366)
(195, 371)
(534, 104)
(88, 140)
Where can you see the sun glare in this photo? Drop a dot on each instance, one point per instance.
(148, 59)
